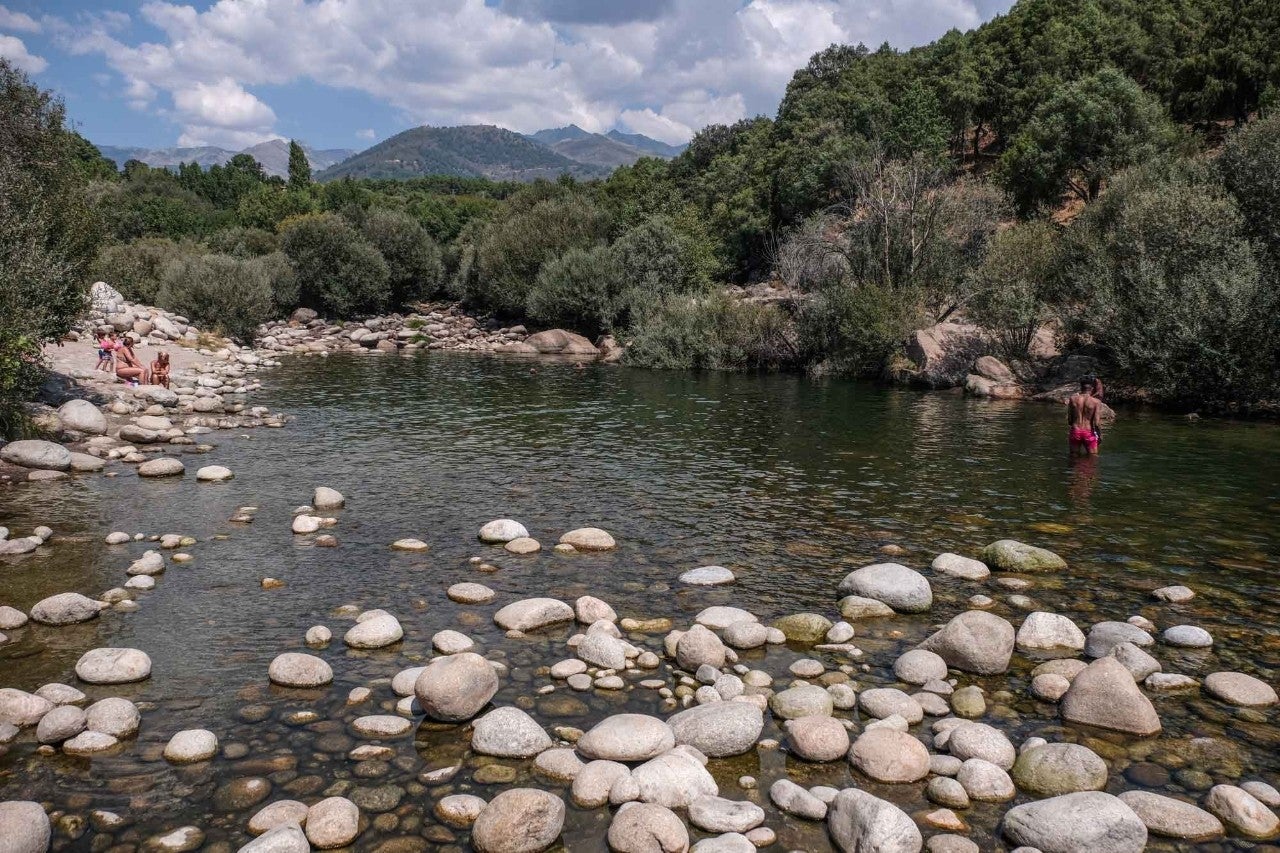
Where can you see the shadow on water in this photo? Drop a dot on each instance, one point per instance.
(790, 482)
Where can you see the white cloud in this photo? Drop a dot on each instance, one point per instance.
(17, 21)
(13, 49)
(671, 66)
(366, 134)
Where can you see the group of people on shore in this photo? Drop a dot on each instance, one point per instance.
(116, 354)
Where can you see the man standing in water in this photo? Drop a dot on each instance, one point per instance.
(1082, 419)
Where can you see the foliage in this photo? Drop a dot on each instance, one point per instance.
(269, 205)
(48, 234)
(581, 289)
(242, 242)
(540, 224)
(852, 330)
(221, 186)
(413, 259)
(1175, 292)
(1250, 168)
(137, 268)
(232, 295)
(338, 272)
(299, 167)
(711, 332)
(1014, 287)
(1084, 133)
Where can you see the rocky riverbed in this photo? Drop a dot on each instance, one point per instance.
(528, 685)
(723, 733)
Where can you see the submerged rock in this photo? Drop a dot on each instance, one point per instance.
(66, 608)
(501, 531)
(1237, 688)
(1055, 769)
(1012, 556)
(589, 539)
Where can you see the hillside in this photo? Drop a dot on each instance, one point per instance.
(478, 151)
(648, 145)
(273, 155)
(609, 150)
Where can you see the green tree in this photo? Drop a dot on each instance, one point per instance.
(338, 272)
(299, 167)
(580, 290)
(269, 205)
(1250, 167)
(413, 259)
(1173, 289)
(48, 235)
(1085, 132)
(1015, 286)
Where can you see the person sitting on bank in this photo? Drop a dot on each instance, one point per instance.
(160, 369)
(1082, 419)
(128, 365)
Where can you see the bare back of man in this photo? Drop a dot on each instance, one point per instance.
(1082, 419)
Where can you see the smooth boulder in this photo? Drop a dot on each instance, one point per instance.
(1104, 695)
(24, 827)
(509, 733)
(1009, 555)
(903, 589)
(82, 416)
(37, 454)
(720, 729)
(294, 669)
(1083, 822)
(530, 614)
(627, 737)
(1054, 769)
(974, 641)
(455, 688)
(113, 666)
(863, 823)
(67, 608)
(519, 820)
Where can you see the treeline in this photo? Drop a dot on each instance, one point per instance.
(1107, 169)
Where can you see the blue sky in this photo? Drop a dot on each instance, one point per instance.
(345, 73)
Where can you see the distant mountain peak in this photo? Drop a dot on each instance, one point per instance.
(273, 155)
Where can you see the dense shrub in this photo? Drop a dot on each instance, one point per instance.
(338, 272)
(269, 205)
(509, 253)
(231, 295)
(853, 329)
(712, 332)
(413, 259)
(242, 242)
(1015, 287)
(48, 235)
(1174, 291)
(1250, 167)
(136, 268)
(581, 289)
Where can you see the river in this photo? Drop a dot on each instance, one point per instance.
(790, 482)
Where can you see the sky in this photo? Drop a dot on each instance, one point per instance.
(347, 73)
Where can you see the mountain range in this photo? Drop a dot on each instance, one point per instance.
(478, 151)
(485, 151)
(272, 154)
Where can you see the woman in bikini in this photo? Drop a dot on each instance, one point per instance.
(128, 365)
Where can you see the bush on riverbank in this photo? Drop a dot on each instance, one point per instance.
(226, 294)
(48, 235)
(713, 332)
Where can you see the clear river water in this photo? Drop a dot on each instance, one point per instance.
(790, 482)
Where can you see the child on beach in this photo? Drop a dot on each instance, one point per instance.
(160, 369)
(106, 352)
